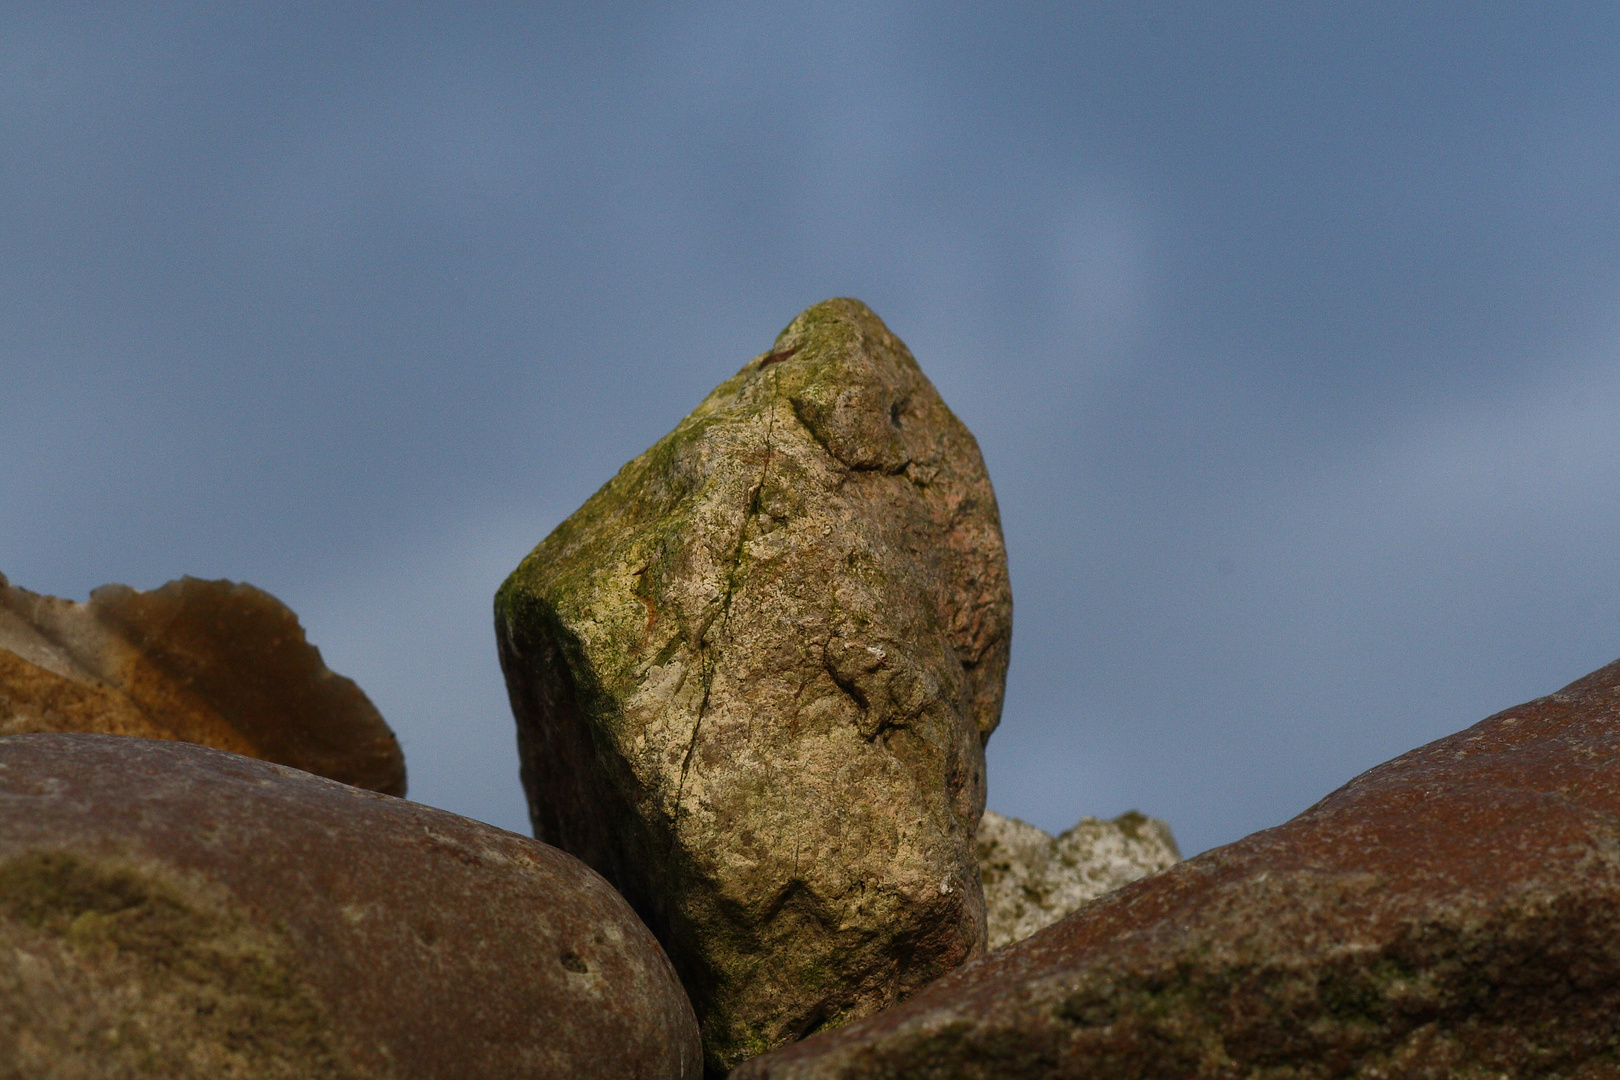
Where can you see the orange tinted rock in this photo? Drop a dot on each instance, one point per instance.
(210, 662)
(1453, 912)
(168, 910)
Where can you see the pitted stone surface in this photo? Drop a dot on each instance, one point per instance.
(1032, 878)
(210, 662)
(169, 910)
(1454, 912)
(753, 677)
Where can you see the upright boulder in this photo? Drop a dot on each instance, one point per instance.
(1454, 912)
(753, 678)
(171, 911)
(211, 662)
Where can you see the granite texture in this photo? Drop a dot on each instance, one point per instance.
(753, 678)
(1032, 878)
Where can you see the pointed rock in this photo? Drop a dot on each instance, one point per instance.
(210, 662)
(1453, 912)
(753, 677)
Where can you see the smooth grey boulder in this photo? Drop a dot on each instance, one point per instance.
(753, 677)
(1032, 878)
(170, 910)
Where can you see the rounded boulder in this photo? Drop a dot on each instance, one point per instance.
(172, 910)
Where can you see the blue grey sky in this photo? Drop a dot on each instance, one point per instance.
(1290, 333)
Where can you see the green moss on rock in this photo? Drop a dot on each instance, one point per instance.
(109, 969)
(753, 677)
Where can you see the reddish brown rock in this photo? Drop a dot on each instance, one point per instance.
(209, 662)
(169, 910)
(1454, 912)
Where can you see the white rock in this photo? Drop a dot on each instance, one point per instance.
(1032, 879)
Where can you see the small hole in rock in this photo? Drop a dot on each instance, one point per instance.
(894, 413)
(573, 962)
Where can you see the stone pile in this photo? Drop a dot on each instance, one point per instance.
(753, 678)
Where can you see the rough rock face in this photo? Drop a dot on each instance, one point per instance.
(169, 910)
(753, 676)
(1032, 879)
(1452, 913)
(209, 662)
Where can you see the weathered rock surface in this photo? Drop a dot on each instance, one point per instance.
(1454, 912)
(753, 676)
(209, 662)
(169, 910)
(1032, 878)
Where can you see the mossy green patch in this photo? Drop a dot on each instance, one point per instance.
(113, 969)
